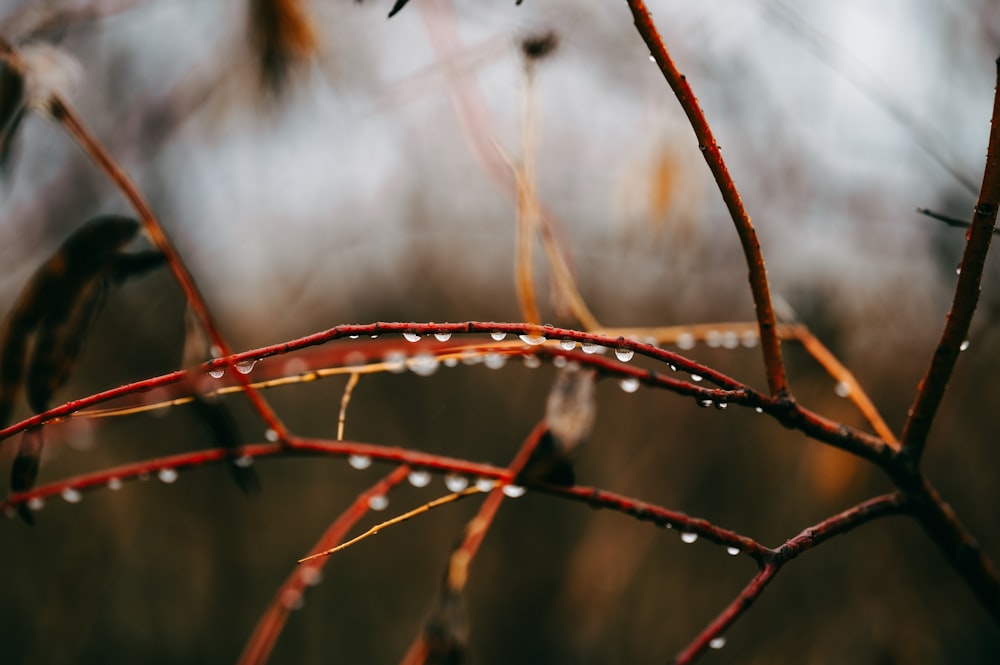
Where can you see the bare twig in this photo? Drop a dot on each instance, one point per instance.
(770, 342)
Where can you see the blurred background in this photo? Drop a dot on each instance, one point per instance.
(371, 184)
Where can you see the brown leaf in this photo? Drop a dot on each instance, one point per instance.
(283, 36)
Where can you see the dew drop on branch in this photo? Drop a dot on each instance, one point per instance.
(531, 361)
(730, 340)
(450, 361)
(713, 339)
(167, 475)
(689, 537)
(353, 336)
(359, 462)
(411, 337)
(560, 362)
(717, 642)
(442, 336)
(395, 362)
(419, 477)
(964, 345)
(722, 406)
(498, 336)
(271, 435)
(533, 340)
(749, 339)
(217, 372)
(243, 462)
(311, 575)
(567, 344)
(758, 409)
(842, 389)
(423, 364)
(624, 354)
(114, 484)
(732, 551)
(629, 384)
(588, 347)
(455, 482)
(378, 502)
(685, 341)
(245, 366)
(71, 495)
(705, 403)
(494, 360)
(36, 503)
(292, 599)
(513, 491)
(484, 484)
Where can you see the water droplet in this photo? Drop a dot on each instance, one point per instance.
(442, 336)
(498, 336)
(758, 409)
(696, 377)
(673, 367)
(243, 462)
(964, 345)
(423, 364)
(167, 475)
(494, 360)
(629, 384)
(292, 599)
(378, 502)
(533, 340)
(471, 358)
(717, 642)
(513, 491)
(689, 537)
(419, 477)
(455, 482)
(685, 341)
(217, 372)
(72, 495)
(705, 403)
(730, 340)
(624, 354)
(214, 351)
(271, 435)
(245, 366)
(411, 337)
(651, 58)
(375, 336)
(359, 462)
(311, 575)
(958, 269)
(354, 336)
(114, 484)
(531, 361)
(588, 347)
(567, 344)
(722, 406)
(36, 503)
(732, 551)
(713, 339)
(749, 339)
(450, 361)
(395, 362)
(843, 389)
(484, 484)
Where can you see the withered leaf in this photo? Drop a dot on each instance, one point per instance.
(569, 417)
(282, 36)
(24, 472)
(220, 423)
(59, 303)
(446, 631)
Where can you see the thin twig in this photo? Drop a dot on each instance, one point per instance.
(963, 306)
(770, 343)
(90, 144)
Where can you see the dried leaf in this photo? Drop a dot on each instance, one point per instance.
(54, 292)
(283, 36)
(397, 7)
(24, 472)
(220, 422)
(446, 631)
(569, 416)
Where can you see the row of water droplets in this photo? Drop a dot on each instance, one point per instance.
(166, 475)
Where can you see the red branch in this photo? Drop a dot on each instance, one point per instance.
(963, 306)
(770, 342)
